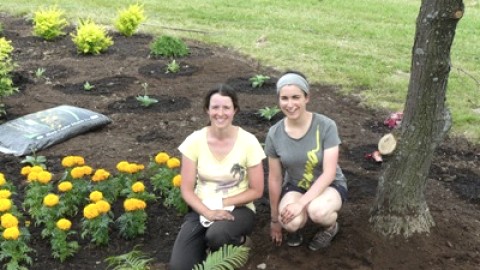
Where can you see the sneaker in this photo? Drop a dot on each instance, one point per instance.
(323, 238)
(294, 239)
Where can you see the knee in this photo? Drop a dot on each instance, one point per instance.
(295, 224)
(321, 215)
(217, 238)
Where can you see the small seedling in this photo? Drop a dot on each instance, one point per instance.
(268, 112)
(35, 160)
(87, 86)
(173, 67)
(258, 80)
(145, 100)
(39, 72)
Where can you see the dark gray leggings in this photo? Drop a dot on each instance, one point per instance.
(194, 239)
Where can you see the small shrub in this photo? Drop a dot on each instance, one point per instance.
(87, 86)
(129, 19)
(169, 47)
(268, 112)
(258, 80)
(49, 23)
(39, 72)
(6, 67)
(91, 38)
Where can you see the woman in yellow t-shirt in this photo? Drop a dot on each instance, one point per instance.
(222, 174)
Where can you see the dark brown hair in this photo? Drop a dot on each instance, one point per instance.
(224, 90)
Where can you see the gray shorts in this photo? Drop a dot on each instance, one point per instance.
(340, 189)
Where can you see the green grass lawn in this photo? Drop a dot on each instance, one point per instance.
(364, 47)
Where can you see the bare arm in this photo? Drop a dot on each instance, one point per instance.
(274, 186)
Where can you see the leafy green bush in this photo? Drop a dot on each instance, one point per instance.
(129, 19)
(49, 23)
(268, 112)
(6, 67)
(91, 38)
(169, 46)
(258, 80)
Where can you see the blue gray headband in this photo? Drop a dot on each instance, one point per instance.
(295, 79)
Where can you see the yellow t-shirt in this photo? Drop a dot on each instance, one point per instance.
(227, 177)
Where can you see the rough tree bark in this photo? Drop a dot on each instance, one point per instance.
(400, 206)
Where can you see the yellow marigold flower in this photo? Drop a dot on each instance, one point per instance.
(44, 177)
(140, 167)
(5, 204)
(162, 158)
(138, 187)
(90, 211)
(26, 170)
(8, 220)
(2, 179)
(77, 173)
(173, 163)
(132, 168)
(68, 162)
(122, 166)
(11, 233)
(177, 180)
(79, 161)
(32, 176)
(100, 175)
(87, 170)
(103, 206)
(5, 193)
(51, 200)
(133, 204)
(36, 169)
(64, 224)
(96, 196)
(65, 186)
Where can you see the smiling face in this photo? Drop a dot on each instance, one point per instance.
(293, 101)
(221, 111)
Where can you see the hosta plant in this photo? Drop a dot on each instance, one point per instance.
(169, 46)
(91, 38)
(49, 23)
(145, 100)
(268, 112)
(173, 67)
(129, 19)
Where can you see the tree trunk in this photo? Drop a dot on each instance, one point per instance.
(400, 206)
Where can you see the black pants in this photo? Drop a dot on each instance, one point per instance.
(194, 239)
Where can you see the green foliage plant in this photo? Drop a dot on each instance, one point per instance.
(49, 23)
(129, 19)
(35, 160)
(6, 67)
(133, 260)
(14, 250)
(87, 86)
(39, 72)
(62, 248)
(168, 46)
(145, 100)
(268, 112)
(91, 38)
(173, 67)
(227, 257)
(258, 80)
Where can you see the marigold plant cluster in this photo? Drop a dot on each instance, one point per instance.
(53, 201)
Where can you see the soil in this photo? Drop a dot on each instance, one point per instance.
(138, 133)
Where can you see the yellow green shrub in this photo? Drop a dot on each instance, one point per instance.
(49, 23)
(129, 19)
(91, 38)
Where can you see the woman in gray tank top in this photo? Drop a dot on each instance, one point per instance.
(305, 181)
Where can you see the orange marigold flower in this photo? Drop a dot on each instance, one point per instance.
(100, 175)
(177, 180)
(96, 196)
(11, 233)
(5, 204)
(138, 187)
(51, 200)
(64, 224)
(65, 186)
(26, 170)
(173, 163)
(103, 206)
(5, 193)
(44, 177)
(162, 158)
(90, 211)
(8, 220)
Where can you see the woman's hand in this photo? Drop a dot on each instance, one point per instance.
(216, 215)
(276, 232)
(290, 212)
